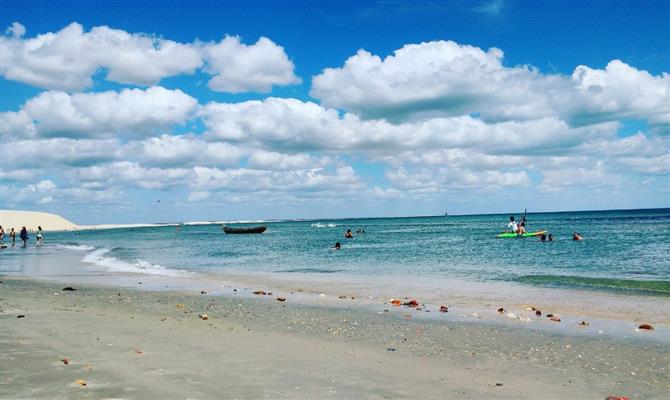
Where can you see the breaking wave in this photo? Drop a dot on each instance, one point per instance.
(320, 225)
(76, 247)
(100, 258)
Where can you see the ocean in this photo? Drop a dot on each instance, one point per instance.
(624, 251)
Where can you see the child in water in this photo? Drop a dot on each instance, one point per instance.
(39, 236)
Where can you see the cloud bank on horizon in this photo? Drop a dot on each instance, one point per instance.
(432, 123)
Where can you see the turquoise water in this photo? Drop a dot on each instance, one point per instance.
(623, 251)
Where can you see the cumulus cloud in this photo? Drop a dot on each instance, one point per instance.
(241, 68)
(290, 124)
(621, 91)
(181, 150)
(131, 173)
(16, 30)
(437, 179)
(262, 159)
(131, 112)
(46, 192)
(446, 78)
(57, 152)
(245, 180)
(435, 117)
(67, 59)
(596, 176)
(659, 165)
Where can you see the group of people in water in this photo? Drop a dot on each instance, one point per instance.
(348, 234)
(23, 235)
(520, 229)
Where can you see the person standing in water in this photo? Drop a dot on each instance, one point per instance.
(24, 236)
(2, 235)
(39, 236)
(12, 235)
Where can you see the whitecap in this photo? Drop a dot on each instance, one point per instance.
(100, 258)
(320, 225)
(76, 247)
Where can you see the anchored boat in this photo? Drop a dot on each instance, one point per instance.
(254, 229)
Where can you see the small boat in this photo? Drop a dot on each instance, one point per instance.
(254, 229)
(516, 235)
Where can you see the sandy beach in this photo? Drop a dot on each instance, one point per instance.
(125, 343)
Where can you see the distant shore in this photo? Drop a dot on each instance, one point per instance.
(121, 343)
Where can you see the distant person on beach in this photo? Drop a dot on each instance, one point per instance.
(512, 226)
(24, 236)
(577, 236)
(337, 246)
(39, 236)
(348, 234)
(12, 234)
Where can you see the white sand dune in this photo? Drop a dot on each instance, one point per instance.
(32, 219)
(52, 222)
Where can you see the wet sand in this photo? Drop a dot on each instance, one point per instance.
(126, 343)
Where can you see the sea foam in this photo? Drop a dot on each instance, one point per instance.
(100, 258)
(76, 247)
(320, 225)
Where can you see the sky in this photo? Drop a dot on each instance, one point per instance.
(163, 111)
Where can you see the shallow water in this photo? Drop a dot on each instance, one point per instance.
(623, 251)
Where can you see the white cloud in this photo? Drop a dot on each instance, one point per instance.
(15, 124)
(261, 159)
(292, 125)
(67, 59)
(246, 180)
(444, 78)
(21, 174)
(492, 8)
(241, 68)
(659, 165)
(579, 176)
(131, 112)
(131, 173)
(56, 152)
(438, 179)
(45, 200)
(183, 150)
(47, 192)
(639, 145)
(621, 91)
(435, 78)
(198, 196)
(16, 30)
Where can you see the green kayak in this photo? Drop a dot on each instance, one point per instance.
(515, 235)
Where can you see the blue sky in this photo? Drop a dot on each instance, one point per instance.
(473, 107)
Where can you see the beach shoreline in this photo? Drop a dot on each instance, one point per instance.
(130, 343)
(616, 314)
